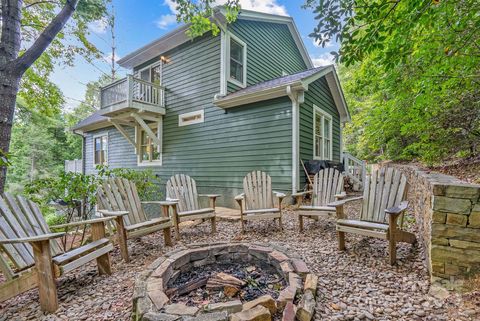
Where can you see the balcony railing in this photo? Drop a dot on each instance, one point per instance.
(131, 92)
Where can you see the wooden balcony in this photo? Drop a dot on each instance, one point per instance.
(132, 95)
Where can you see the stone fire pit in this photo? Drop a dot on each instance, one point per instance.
(155, 296)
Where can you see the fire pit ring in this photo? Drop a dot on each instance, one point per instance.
(151, 302)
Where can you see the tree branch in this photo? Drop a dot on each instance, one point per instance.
(40, 2)
(46, 37)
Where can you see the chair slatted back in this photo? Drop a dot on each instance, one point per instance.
(20, 218)
(184, 189)
(326, 184)
(257, 187)
(383, 189)
(120, 194)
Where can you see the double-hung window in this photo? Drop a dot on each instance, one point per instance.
(237, 61)
(100, 145)
(150, 153)
(322, 134)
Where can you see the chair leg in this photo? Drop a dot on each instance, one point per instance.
(300, 222)
(122, 238)
(46, 279)
(214, 225)
(103, 261)
(167, 236)
(392, 249)
(341, 240)
(280, 223)
(243, 225)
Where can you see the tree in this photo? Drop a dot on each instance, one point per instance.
(199, 14)
(416, 94)
(39, 23)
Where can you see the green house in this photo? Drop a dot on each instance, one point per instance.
(218, 107)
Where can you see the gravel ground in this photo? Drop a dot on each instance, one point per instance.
(354, 285)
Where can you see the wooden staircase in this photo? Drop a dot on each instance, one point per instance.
(355, 171)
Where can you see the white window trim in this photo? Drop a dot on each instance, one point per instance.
(106, 149)
(138, 139)
(182, 122)
(324, 114)
(150, 67)
(230, 36)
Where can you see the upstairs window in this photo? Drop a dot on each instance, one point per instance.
(322, 134)
(100, 144)
(237, 61)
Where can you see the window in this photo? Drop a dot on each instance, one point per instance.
(150, 153)
(191, 118)
(152, 73)
(237, 61)
(100, 144)
(322, 134)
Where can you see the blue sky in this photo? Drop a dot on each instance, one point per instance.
(140, 22)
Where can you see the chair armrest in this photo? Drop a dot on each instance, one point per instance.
(92, 221)
(172, 200)
(340, 196)
(279, 194)
(168, 202)
(113, 213)
(344, 201)
(240, 197)
(210, 195)
(301, 193)
(397, 209)
(38, 238)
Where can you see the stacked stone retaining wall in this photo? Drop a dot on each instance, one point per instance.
(447, 213)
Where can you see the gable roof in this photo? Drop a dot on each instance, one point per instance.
(178, 36)
(277, 87)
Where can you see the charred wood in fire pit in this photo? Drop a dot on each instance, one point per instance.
(222, 280)
(187, 287)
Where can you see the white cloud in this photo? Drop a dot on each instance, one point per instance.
(108, 57)
(166, 21)
(267, 6)
(323, 60)
(172, 5)
(99, 26)
(317, 44)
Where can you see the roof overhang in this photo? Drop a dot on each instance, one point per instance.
(283, 90)
(178, 36)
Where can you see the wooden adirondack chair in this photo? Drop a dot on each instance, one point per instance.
(182, 190)
(118, 197)
(257, 200)
(328, 186)
(31, 257)
(383, 206)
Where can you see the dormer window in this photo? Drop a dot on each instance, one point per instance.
(237, 61)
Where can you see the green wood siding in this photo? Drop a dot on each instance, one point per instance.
(271, 50)
(319, 94)
(221, 151)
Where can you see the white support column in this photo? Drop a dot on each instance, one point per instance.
(297, 97)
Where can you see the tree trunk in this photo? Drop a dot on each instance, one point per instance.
(8, 92)
(12, 67)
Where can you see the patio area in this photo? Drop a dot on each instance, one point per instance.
(358, 284)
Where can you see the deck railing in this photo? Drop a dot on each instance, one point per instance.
(130, 89)
(355, 169)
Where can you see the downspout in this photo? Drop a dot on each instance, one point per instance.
(295, 137)
(84, 144)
